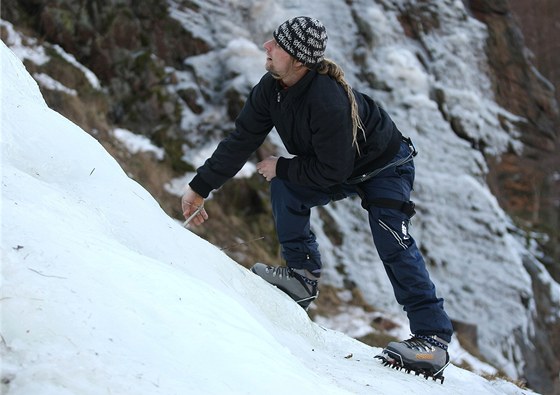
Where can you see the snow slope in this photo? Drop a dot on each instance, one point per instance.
(103, 293)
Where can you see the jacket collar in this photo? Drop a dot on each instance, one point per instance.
(296, 90)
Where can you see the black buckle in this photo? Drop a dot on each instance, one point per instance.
(413, 150)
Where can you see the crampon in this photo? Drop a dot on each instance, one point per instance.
(395, 361)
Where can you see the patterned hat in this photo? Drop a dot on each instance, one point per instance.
(304, 38)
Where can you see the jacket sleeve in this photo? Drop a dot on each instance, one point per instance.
(251, 128)
(332, 158)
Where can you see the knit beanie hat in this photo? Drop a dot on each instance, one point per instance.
(304, 38)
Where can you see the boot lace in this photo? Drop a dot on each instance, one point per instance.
(280, 271)
(288, 272)
(424, 343)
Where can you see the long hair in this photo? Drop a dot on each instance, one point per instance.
(334, 71)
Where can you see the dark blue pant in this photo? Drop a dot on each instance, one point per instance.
(291, 206)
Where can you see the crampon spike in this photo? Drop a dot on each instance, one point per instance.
(398, 364)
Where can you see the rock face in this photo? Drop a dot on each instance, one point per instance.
(538, 21)
(527, 185)
(539, 24)
(138, 51)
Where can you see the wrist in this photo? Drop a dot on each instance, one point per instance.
(200, 187)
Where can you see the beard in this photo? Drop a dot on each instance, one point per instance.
(270, 68)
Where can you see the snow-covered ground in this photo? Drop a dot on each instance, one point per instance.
(103, 293)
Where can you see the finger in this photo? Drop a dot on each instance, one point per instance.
(198, 220)
(195, 216)
(190, 213)
(189, 208)
(202, 216)
(187, 213)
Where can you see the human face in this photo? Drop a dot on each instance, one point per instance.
(279, 63)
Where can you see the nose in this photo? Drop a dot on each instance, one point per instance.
(267, 45)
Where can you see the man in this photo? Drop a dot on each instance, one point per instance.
(343, 144)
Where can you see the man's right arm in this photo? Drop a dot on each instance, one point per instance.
(251, 128)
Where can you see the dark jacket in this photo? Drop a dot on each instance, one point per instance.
(313, 120)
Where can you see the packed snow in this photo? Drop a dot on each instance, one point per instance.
(103, 293)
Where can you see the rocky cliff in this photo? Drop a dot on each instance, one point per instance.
(527, 185)
(539, 25)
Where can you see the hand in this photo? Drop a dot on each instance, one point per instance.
(191, 202)
(267, 167)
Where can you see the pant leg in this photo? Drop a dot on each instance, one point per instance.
(402, 260)
(291, 207)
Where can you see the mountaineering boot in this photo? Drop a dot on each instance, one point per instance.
(299, 284)
(425, 355)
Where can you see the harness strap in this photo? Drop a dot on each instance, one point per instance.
(407, 207)
(397, 163)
